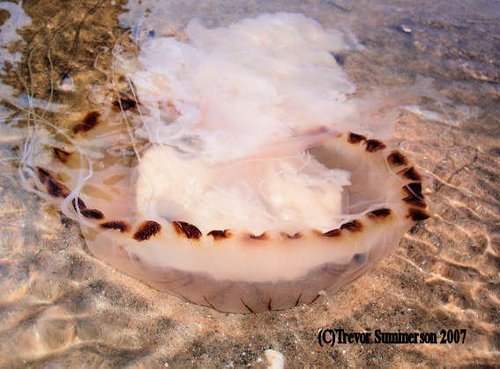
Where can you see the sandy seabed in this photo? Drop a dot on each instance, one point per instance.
(61, 307)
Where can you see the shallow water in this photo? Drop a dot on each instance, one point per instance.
(61, 307)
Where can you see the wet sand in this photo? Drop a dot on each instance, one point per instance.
(61, 307)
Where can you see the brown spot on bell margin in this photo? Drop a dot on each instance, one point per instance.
(269, 304)
(294, 236)
(414, 200)
(397, 159)
(219, 235)
(374, 145)
(118, 225)
(62, 155)
(332, 233)
(186, 229)
(80, 202)
(353, 226)
(418, 214)
(379, 213)
(57, 189)
(124, 103)
(414, 188)
(52, 185)
(355, 138)
(260, 237)
(147, 230)
(43, 175)
(412, 174)
(92, 213)
(89, 122)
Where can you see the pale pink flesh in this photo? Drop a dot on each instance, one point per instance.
(245, 274)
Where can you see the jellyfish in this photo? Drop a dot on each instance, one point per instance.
(233, 167)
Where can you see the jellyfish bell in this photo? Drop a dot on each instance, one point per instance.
(230, 174)
(239, 270)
